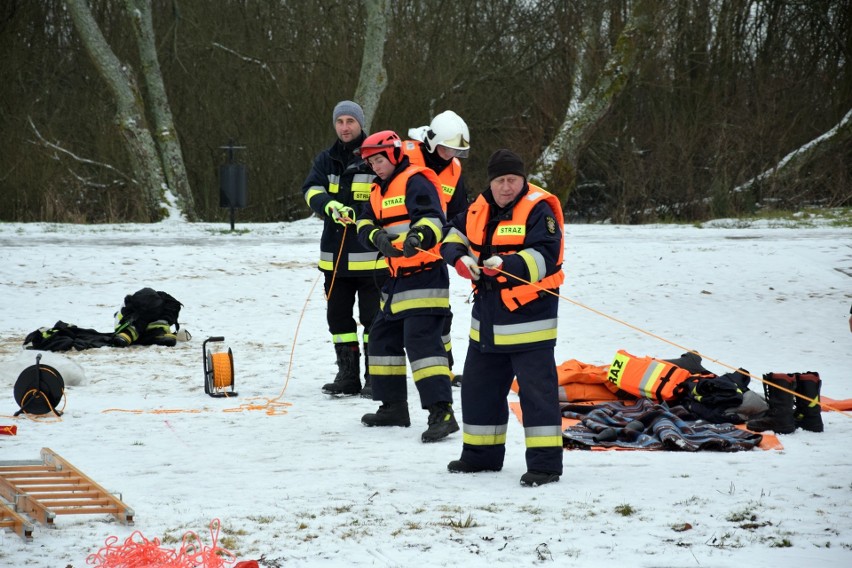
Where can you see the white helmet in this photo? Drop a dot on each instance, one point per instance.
(449, 130)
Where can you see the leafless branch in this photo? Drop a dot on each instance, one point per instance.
(256, 61)
(59, 148)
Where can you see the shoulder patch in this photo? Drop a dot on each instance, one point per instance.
(550, 222)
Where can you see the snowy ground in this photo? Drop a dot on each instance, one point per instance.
(308, 485)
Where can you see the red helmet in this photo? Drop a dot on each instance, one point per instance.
(387, 142)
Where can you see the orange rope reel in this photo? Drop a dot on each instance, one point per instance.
(218, 370)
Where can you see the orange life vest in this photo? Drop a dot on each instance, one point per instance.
(392, 215)
(509, 238)
(645, 376)
(449, 176)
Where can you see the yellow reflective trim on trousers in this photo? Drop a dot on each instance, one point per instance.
(520, 338)
(437, 370)
(387, 370)
(544, 441)
(492, 439)
(345, 337)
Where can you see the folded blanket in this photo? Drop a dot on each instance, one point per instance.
(645, 424)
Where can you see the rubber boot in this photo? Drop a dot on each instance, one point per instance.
(367, 391)
(779, 417)
(808, 414)
(388, 414)
(346, 382)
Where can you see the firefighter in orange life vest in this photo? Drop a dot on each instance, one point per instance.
(512, 229)
(339, 183)
(403, 216)
(439, 147)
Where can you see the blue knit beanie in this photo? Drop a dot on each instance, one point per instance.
(348, 108)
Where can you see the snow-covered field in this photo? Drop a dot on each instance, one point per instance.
(295, 478)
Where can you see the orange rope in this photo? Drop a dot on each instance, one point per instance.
(139, 552)
(336, 262)
(663, 339)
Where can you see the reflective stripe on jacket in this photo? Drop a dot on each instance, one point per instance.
(645, 376)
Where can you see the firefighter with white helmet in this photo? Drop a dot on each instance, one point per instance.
(439, 147)
(404, 220)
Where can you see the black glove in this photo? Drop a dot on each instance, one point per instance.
(382, 239)
(412, 243)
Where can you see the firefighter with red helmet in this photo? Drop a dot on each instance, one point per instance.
(339, 184)
(440, 147)
(509, 244)
(404, 221)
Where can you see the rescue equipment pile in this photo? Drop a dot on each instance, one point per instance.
(677, 404)
(146, 318)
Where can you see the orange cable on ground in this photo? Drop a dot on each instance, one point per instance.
(663, 339)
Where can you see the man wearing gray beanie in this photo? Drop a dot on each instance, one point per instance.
(348, 108)
(336, 189)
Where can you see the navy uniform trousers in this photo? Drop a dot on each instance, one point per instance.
(420, 337)
(485, 410)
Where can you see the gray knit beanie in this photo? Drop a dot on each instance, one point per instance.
(348, 108)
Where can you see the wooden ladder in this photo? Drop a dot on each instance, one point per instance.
(10, 519)
(43, 490)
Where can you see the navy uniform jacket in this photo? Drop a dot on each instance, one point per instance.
(337, 174)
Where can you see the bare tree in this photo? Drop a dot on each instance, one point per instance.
(374, 77)
(584, 114)
(789, 166)
(129, 115)
(165, 134)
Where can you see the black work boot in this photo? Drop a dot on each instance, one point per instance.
(779, 417)
(388, 414)
(808, 415)
(459, 466)
(534, 478)
(347, 382)
(441, 421)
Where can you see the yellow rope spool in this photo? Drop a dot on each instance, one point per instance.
(223, 373)
(218, 370)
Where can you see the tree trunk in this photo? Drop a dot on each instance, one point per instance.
(584, 114)
(374, 77)
(165, 134)
(129, 114)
